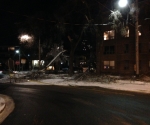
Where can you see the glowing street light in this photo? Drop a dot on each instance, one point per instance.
(123, 3)
(25, 38)
(17, 51)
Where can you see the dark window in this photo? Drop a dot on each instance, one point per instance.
(149, 46)
(112, 49)
(126, 64)
(106, 50)
(109, 50)
(126, 48)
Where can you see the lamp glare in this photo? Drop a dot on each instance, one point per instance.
(122, 3)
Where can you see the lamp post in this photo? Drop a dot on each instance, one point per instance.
(18, 52)
(29, 38)
(137, 39)
(39, 54)
(25, 38)
(123, 3)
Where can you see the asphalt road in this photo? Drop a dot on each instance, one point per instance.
(54, 105)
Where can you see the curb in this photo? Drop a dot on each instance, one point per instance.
(2, 104)
(7, 107)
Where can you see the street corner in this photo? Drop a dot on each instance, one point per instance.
(7, 105)
(2, 104)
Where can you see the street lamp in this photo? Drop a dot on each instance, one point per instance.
(123, 3)
(18, 52)
(27, 39)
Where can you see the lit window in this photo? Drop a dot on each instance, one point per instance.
(139, 33)
(139, 30)
(109, 64)
(35, 63)
(50, 68)
(127, 33)
(109, 35)
(11, 48)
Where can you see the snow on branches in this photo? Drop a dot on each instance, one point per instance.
(117, 22)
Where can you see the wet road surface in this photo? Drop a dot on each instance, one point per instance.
(55, 105)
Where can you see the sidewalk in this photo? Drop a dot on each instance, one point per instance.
(2, 104)
(7, 105)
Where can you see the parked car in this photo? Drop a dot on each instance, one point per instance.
(49, 71)
(75, 69)
(65, 69)
(92, 67)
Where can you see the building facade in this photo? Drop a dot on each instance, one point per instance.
(116, 54)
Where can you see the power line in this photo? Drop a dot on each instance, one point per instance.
(46, 20)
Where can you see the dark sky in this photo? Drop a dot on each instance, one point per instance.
(13, 12)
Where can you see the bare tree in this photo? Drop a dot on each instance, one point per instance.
(57, 56)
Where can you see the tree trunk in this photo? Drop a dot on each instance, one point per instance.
(57, 66)
(99, 46)
(71, 62)
(97, 53)
(73, 48)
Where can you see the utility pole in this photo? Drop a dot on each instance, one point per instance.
(19, 58)
(39, 54)
(136, 39)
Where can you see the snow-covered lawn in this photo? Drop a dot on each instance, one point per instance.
(88, 80)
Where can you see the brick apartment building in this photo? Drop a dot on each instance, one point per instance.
(116, 54)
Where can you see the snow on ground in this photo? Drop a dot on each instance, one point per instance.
(65, 80)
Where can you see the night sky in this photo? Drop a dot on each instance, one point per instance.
(13, 12)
